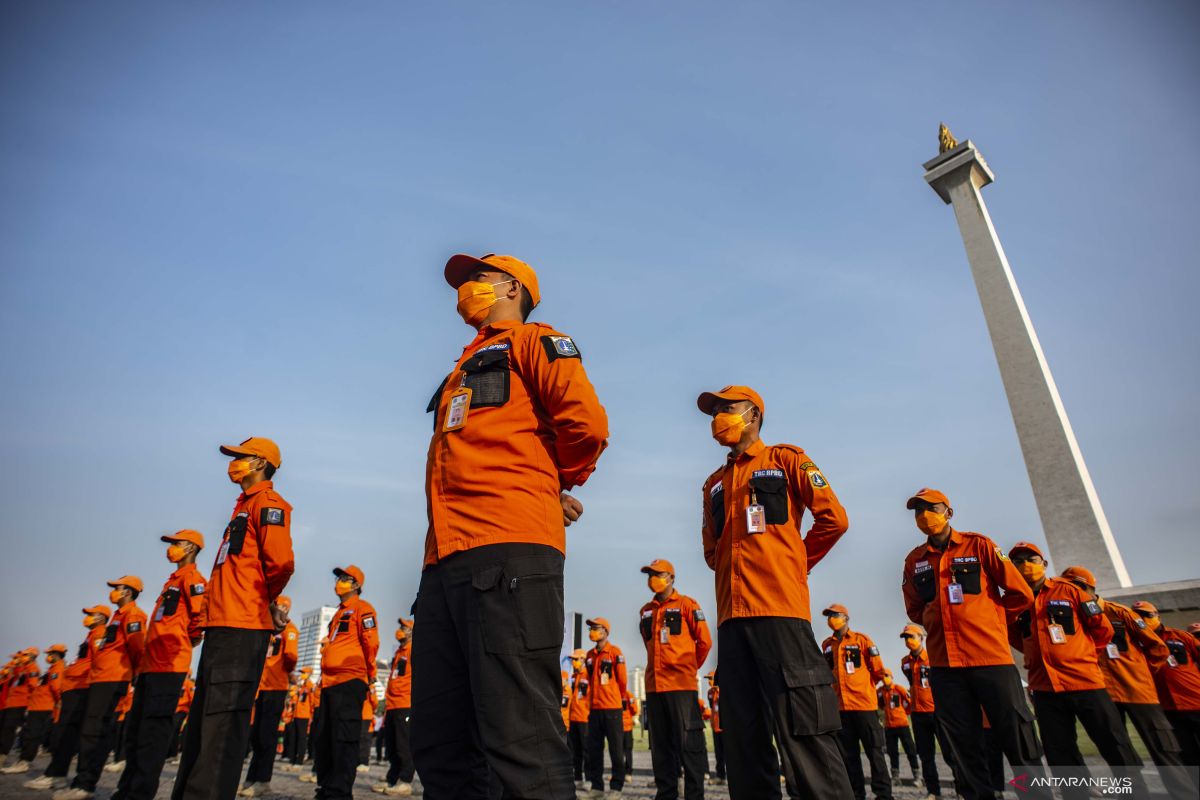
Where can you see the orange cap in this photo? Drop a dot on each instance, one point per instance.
(599, 622)
(61, 649)
(1030, 546)
(1080, 575)
(349, 572)
(1144, 606)
(132, 581)
(284, 602)
(707, 400)
(101, 609)
(931, 496)
(186, 535)
(912, 630)
(711, 675)
(255, 446)
(460, 267)
(30, 651)
(659, 565)
(887, 672)
(578, 654)
(406, 622)
(835, 608)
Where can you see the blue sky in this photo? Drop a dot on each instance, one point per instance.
(225, 220)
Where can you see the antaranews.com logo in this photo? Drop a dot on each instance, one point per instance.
(1103, 785)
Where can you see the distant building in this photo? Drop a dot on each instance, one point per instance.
(313, 625)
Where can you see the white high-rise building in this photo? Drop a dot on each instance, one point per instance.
(313, 625)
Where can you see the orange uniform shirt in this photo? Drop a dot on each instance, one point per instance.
(677, 642)
(78, 673)
(973, 633)
(607, 690)
(1059, 637)
(48, 688)
(565, 702)
(534, 429)
(177, 619)
(628, 713)
(580, 708)
(283, 652)
(1179, 681)
(916, 668)
(116, 654)
(766, 574)
(125, 703)
(1130, 661)
(353, 643)
(289, 707)
(856, 667)
(304, 700)
(714, 702)
(399, 686)
(21, 684)
(896, 705)
(253, 563)
(186, 693)
(370, 704)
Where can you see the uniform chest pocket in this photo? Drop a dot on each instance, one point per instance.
(110, 633)
(646, 626)
(1119, 637)
(895, 701)
(1062, 615)
(487, 376)
(925, 583)
(772, 493)
(235, 532)
(673, 619)
(1025, 624)
(276, 645)
(343, 626)
(433, 401)
(1179, 651)
(606, 668)
(968, 576)
(402, 666)
(907, 670)
(716, 510)
(82, 651)
(170, 601)
(854, 656)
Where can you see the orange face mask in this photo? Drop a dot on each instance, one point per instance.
(401, 636)
(175, 553)
(657, 583)
(115, 596)
(474, 300)
(931, 523)
(1032, 572)
(595, 634)
(88, 621)
(835, 623)
(239, 468)
(728, 428)
(912, 643)
(342, 587)
(887, 681)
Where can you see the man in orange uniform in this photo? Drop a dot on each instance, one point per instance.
(282, 654)
(302, 717)
(1178, 682)
(43, 699)
(181, 711)
(516, 425)
(64, 744)
(714, 704)
(774, 678)
(964, 591)
(677, 642)
(896, 706)
(20, 685)
(628, 714)
(176, 625)
(397, 709)
(252, 567)
(926, 732)
(857, 668)
(579, 712)
(114, 662)
(1129, 663)
(347, 668)
(608, 695)
(1059, 637)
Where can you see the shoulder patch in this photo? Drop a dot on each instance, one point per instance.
(1000, 554)
(271, 516)
(291, 635)
(620, 659)
(369, 621)
(698, 615)
(873, 650)
(1141, 623)
(560, 347)
(817, 479)
(197, 589)
(1092, 608)
(133, 627)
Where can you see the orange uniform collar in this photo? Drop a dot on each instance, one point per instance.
(955, 538)
(261, 486)
(749, 452)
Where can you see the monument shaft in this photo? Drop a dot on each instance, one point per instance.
(1076, 529)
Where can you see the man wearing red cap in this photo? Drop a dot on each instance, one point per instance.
(1178, 682)
(857, 669)
(43, 699)
(397, 710)
(176, 625)
(114, 663)
(608, 695)
(282, 654)
(516, 425)
(1129, 663)
(963, 590)
(252, 567)
(347, 669)
(677, 642)
(775, 681)
(64, 738)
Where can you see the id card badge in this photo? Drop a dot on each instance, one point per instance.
(1056, 634)
(1113, 651)
(956, 594)
(1171, 662)
(158, 614)
(456, 412)
(223, 553)
(924, 683)
(664, 635)
(756, 518)
(604, 679)
(849, 667)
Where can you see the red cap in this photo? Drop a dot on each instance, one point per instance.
(931, 496)
(708, 400)
(835, 608)
(132, 581)
(195, 537)
(599, 622)
(1030, 546)
(460, 268)
(659, 565)
(349, 572)
(912, 630)
(255, 446)
(1144, 606)
(1080, 575)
